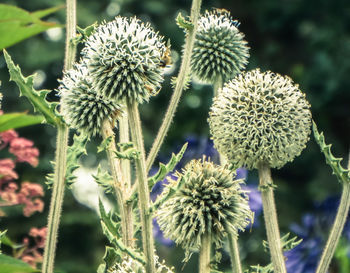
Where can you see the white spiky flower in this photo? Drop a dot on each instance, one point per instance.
(81, 106)
(125, 57)
(260, 117)
(129, 265)
(219, 49)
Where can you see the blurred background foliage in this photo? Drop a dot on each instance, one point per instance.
(307, 40)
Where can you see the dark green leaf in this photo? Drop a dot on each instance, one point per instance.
(17, 24)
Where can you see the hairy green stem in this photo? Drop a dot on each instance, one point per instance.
(61, 154)
(180, 83)
(56, 200)
(270, 218)
(125, 165)
(217, 86)
(118, 181)
(234, 253)
(204, 253)
(337, 228)
(142, 185)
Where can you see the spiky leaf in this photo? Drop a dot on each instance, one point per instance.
(104, 180)
(105, 144)
(37, 98)
(84, 33)
(127, 151)
(109, 259)
(287, 243)
(183, 23)
(341, 173)
(74, 153)
(107, 219)
(18, 120)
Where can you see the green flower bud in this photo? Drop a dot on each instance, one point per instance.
(209, 200)
(219, 49)
(124, 57)
(81, 106)
(260, 118)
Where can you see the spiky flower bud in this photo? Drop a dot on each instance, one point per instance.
(81, 106)
(219, 49)
(209, 200)
(125, 58)
(260, 117)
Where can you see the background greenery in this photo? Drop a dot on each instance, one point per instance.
(307, 40)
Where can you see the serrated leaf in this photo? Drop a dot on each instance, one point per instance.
(260, 269)
(11, 265)
(341, 173)
(107, 219)
(169, 167)
(183, 23)
(74, 152)
(17, 24)
(18, 120)
(127, 151)
(104, 144)
(104, 180)
(84, 33)
(287, 243)
(110, 258)
(37, 98)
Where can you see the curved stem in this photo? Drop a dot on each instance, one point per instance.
(56, 200)
(118, 181)
(61, 154)
(234, 253)
(142, 184)
(180, 83)
(204, 254)
(337, 228)
(270, 218)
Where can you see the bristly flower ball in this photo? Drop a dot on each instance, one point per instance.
(260, 118)
(219, 49)
(124, 57)
(209, 200)
(81, 106)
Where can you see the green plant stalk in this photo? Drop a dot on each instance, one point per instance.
(61, 154)
(217, 86)
(125, 165)
(204, 254)
(234, 254)
(142, 185)
(118, 181)
(270, 218)
(180, 83)
(337, 228)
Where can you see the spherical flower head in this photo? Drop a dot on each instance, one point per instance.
(124, 57)
(260, 117)
(220, 50)
(208, 201)
(81, 106)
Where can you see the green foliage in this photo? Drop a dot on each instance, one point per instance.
(183, 23)
(18, 120)
(84, 33)
(2, 235)
(127, 151)
(341, 173)
(17, 24)
(105, 144)
(37, 98)
(104, 180)
(74, 152)
(109, 259)
(11, 265)
(110, 230)
(169, 167)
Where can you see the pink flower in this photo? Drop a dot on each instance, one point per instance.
(6, 170)
(39, 235)
(24, 151)
(31, 189)
(6, 137)
(32, 206)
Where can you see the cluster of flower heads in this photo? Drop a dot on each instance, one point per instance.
(128, 265)
(121, 60)
(260, 117)
(208, 201)
(220, 50)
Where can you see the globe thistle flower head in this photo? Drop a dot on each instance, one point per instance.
(208, 201)
(219, 50)
(125, 58)
(128, 265)
(81, 106)
(260, 117)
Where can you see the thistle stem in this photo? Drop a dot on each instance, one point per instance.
(204, 254)
(142, 184)
(270, 217)
(337, 228)
(234, 253)
(217, 86)
(180, 83)
(118, 181)
(56, 200)
(61, 154)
